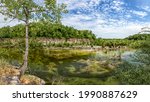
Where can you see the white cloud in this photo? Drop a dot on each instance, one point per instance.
(72, 4)
(140, 13)
(97, 20)
(115, 29)
(7, 22)
(146, 8)
(2, 18)
(117, 5)
(119, 31)
(94, 2)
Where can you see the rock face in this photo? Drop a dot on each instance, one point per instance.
(10, 76)
(10, 80)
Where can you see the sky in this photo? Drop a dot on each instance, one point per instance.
(105, 18)
(108, 18)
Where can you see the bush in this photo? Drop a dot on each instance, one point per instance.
(136, 73)
(139, 37)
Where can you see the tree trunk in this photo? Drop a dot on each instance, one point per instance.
(25, 62)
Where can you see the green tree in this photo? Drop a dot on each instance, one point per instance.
(26, 11)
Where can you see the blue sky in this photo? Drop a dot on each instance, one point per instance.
(106, 18)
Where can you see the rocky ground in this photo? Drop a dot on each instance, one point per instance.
(9, 76)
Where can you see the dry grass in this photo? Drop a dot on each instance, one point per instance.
(31, 80)
(7, 70)
(2, 82)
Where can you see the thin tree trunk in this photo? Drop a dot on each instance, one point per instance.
(25, 62)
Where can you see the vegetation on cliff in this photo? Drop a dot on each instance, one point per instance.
(45, 29)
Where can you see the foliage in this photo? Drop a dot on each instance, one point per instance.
(29, 10)
(3, 63)
(134, 41)
(139, 37)
(45, 29)
(137, 72)
(113, 43)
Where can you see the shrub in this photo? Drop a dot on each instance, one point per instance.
(139, 71)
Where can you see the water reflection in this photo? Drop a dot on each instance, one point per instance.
(65, 64)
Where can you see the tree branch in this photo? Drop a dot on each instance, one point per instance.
(10, 15)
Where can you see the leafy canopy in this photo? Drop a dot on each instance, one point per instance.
(29, 9)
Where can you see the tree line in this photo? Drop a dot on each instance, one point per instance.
(113, 43)
(45, 29)
(139, 37)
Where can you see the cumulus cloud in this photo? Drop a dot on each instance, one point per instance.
(118, 32)
(146, 8)
(113, 30)
(140, 13)
(106, 18)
